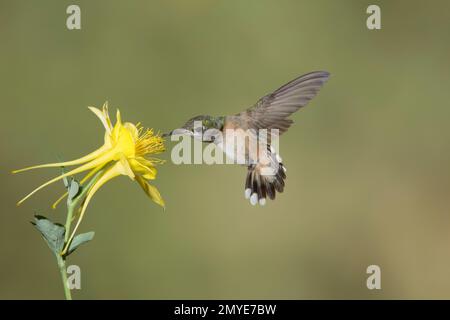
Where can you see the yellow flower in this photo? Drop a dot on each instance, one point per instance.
(123, 153)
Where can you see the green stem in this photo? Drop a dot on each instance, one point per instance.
(63, 271)
(70, 209)
(72, 204)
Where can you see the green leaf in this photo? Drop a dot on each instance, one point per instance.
(79, 240)
(53, 233)
(74, 189)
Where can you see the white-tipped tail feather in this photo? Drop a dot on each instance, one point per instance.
(260, 186)
(254, 199)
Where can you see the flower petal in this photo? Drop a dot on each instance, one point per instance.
(118, 117)
(133, 130)
(106, 113)
(151, 191)
(124, 167)
(101, 115)
(117, 129)
(148, 162)
(148, 172)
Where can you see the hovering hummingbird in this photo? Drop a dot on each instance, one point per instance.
(269, 113)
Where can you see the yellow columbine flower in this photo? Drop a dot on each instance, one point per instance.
(123, 153)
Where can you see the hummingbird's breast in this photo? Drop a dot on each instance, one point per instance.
(240, 145)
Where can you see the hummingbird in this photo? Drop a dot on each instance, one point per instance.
(271, 112)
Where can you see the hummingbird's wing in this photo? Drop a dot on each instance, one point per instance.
(272, 110)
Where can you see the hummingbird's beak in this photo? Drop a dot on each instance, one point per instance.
(180, 131)
(167, 134)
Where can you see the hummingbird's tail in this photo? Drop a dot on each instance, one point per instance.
(259, 186)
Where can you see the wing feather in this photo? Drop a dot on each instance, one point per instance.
(272, 110)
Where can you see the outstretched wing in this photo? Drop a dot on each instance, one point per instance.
(272, 110)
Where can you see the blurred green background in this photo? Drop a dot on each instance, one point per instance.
(368, 159)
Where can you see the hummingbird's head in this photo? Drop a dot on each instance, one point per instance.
(203, 127)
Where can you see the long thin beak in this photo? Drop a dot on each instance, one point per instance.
(176, 132)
